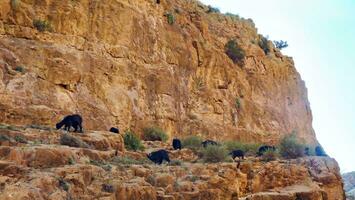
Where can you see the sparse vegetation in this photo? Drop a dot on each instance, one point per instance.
(39, 127)
(232, 16)
(280, 44)
(290, 147)
(213, 10)
(270, 155)
(199, 83)
(154, 134)
(71, 161)
(103, 165)
(4, 138)
(238, 104)
(132, 142)
(63, 184)
(129, 161)
(264, 44)
(20, 139)
(19, 69)
(234, 52)
(175, 163)
(214, 154)
(170, 18)
(42, 25)
(72, 141)
(15, 4)
(192, 142)
(250, 148)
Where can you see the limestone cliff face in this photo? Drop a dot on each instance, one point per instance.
(119, 62)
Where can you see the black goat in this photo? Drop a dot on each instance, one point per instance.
(176, 144)
(74, 121)
(114, 130)
(159, 156)
(265, 148)
(237, 153)
(320, 151)
(208, 142)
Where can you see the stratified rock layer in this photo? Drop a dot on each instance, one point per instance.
(119, 62)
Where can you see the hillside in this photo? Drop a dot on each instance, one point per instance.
(36, 165)
(121, 63)
(134, 64)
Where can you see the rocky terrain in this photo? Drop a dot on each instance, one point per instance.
(349, 184)
(34, 165)
(134, 64)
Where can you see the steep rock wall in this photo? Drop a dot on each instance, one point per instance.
(119, 62)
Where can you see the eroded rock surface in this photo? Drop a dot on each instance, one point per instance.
(44, 169)
(121, 63)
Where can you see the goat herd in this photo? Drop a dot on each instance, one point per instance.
(162, 155)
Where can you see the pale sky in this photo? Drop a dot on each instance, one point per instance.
(320, 34)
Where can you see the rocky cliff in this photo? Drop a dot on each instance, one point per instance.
(35, 165)
(137, 63)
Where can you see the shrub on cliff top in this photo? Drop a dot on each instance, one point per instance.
(154, 134)
(234, 52)
(132, 142)
(214, 154)
(290, 147)
(213, 10)
(280, 44)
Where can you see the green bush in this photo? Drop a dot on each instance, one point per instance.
(238, 104)
(192, 142)
(270, 155)
(170, 18)
(280, 44)
(264, 44)
(290, 147)
(72, 141)
(214, 154)
(20, 139)
(129, 161)
(251, 148)
(232, 16)
(63, 184)
(71, 161)
(19, 69)
(213, 10)
(15, 4)
(42, 25)
(154, 134)
(132, 142)
(103, 165)
(234, 52)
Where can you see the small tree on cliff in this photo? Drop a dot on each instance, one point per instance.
(280, 44)
(235, 52)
